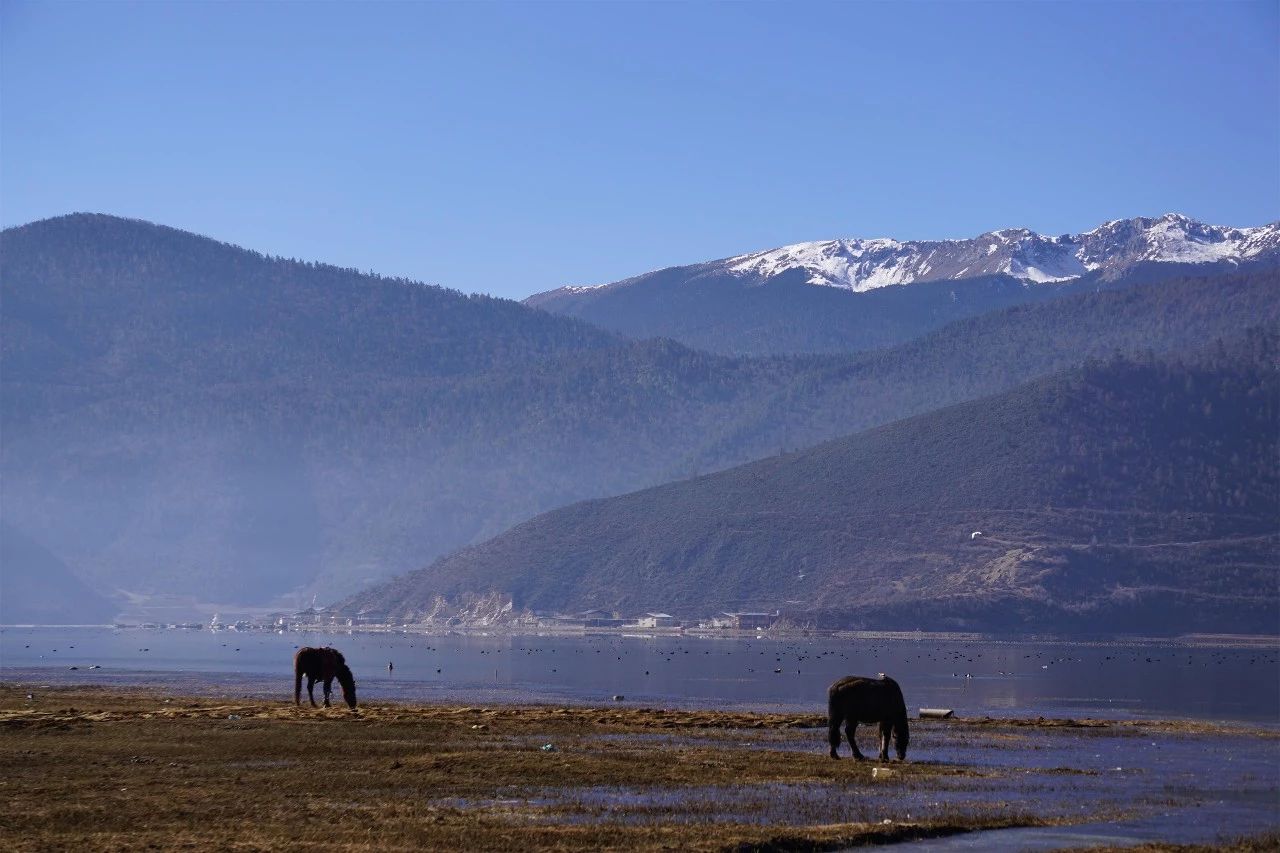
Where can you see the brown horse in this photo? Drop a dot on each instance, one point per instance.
(854, 700)
(325, 665)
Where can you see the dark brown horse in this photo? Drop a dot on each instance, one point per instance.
(322, 665)
(854, 700)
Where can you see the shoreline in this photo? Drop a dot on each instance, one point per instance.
(201, 684)
(1191, 640)
(1015, 678)
(635, 714)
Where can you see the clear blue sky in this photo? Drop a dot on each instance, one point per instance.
(514, 148)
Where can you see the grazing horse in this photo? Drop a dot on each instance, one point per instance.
(322, 665)
(854, 700)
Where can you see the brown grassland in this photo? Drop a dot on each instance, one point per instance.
(110, 769)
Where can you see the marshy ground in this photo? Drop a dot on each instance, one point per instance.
(107, 768)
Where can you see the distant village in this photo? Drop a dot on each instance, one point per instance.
(593, 620)
(589, 620)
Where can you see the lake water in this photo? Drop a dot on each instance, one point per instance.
(992, 678)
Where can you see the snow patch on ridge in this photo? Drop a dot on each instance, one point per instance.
(1109, 251)
(860, 264)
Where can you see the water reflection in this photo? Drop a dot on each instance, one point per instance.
(1001, 678)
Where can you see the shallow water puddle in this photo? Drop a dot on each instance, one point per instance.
(1189, 788)
(1175, 786)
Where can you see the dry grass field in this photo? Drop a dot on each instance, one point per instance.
(97, 769)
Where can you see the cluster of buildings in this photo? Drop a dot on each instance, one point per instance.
(324, 618)
(585, 620)
(658, 620)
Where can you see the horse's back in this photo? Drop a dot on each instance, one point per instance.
(861, 685)
(867, 699)
(309, 659)
(847, 684)
(318, 662)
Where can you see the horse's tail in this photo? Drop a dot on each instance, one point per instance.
(297, 677)
(835, 716)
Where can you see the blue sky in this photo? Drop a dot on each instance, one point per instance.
(513, 148)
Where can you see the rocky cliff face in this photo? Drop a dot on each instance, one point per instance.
(469, 610)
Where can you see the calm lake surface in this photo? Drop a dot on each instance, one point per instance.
(994, 678)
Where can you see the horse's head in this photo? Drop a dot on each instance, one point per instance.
(901, 737)
(348, 682)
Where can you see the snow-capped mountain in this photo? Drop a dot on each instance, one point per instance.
(836, 295)
(1109, 249)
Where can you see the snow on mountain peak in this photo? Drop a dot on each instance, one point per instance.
(865, 264)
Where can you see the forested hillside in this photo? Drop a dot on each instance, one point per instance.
(1130, 494)
(182, 416)
(714, 311)
(91, 300)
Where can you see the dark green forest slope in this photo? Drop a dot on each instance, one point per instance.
(704, 307)
(182, 416)
(1131, 494)
(786, 315)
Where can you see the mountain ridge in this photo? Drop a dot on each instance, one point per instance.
(862, 264)
(810, 298)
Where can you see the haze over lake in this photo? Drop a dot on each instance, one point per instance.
(996, 678)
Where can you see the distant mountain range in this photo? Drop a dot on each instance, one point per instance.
(184, 417)
(1140, 494)
(847, 295)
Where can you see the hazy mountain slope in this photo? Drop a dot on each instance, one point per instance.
(1128, 495)
(184, 416)
(36, 588)
(344, 428)
(848, 295)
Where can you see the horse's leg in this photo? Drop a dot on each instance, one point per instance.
(833, 731)
(297, 687)
(851, 729)
(328, 690)
(885, 730)
(311, 690)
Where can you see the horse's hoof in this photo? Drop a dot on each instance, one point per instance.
(836, 757)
